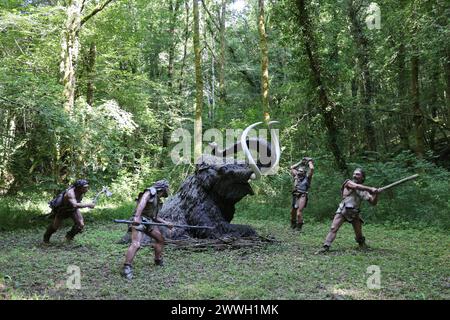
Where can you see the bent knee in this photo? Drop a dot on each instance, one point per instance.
(334, 229)
(136, 244)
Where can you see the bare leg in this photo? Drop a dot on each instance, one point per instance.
(293, 218)
(159, 243)
(357, 227)
(335, 225)
(52, 228)
(78, 225)
(301, 202)
(293, 212)
(136, 237)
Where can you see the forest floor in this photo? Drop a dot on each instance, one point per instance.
(413, 264)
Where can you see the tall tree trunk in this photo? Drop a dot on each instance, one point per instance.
(264, 61)
(7, 136)
(174, 6)
(186, 38)
(212, 84)
(415, 94)
(70, 47)
(198, 85)
(418, 118)
(403, 122)
(325, 104)
(434, 103)
(91, 73)
(362, 44)
(447, 82)
(221, 71)
(206, 51)
(354, 89)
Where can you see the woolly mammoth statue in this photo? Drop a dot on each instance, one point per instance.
(208, 197)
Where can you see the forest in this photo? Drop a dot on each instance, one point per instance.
(101, 89)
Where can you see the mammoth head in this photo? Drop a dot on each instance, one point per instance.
(226, 181)
(225, 177)
(268, 155)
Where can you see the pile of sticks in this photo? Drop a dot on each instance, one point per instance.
(220, 243)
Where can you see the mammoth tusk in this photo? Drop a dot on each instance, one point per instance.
(247, 153)
(276, 144)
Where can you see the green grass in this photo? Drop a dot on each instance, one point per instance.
(414, 264)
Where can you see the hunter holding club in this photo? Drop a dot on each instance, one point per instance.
(353, 192)
(148, 205)
(67, 205)
(302, 182)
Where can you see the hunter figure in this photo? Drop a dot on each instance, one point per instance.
(68, 205)
(302, 182)
(148, 205)
(353, 192)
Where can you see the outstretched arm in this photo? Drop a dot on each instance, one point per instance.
(355, 186)
(373, 198)
(294, 166)
(73, 201)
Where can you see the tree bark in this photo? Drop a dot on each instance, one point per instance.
(186, 38)
(69, 51)
(403, 123)
(264, 61)
(70, 46)
(447, 82)
(198, 85)
(418, 118)
(434, 103)
(415, 93)
(221, 71)
(173, 9)
(325, 104)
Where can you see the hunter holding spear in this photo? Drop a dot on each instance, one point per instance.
(147, 208)
(353, 192)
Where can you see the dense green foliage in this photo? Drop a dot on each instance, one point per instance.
(139, 87)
